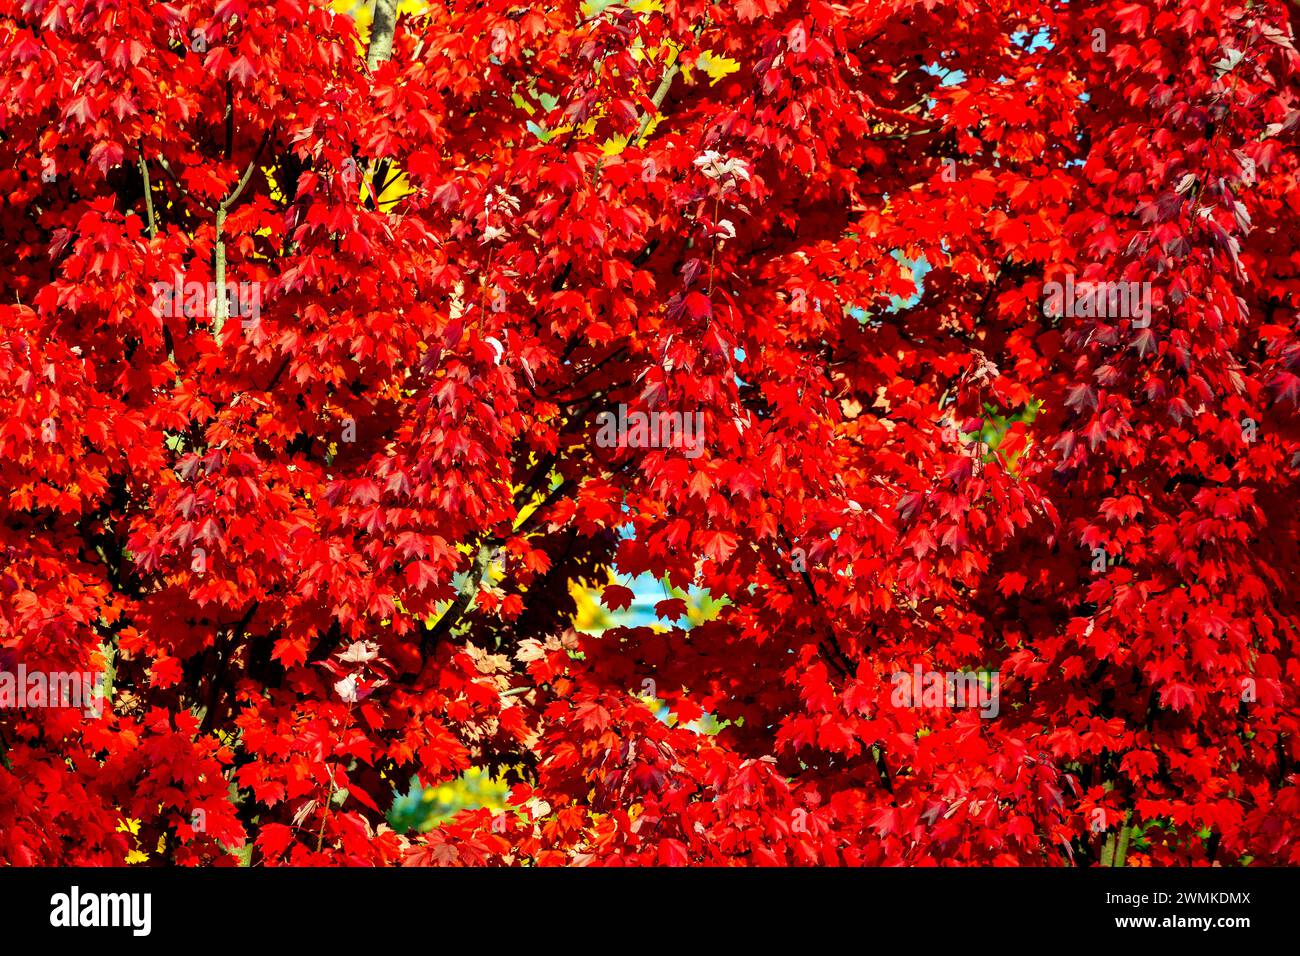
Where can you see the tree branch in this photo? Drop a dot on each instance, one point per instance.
(148, 195)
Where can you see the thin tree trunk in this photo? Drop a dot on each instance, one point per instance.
(219, 273)
(222, 305)
(381, 33)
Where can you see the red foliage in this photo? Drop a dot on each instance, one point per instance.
(277, 530)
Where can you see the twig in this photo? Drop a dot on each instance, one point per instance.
(148, 194)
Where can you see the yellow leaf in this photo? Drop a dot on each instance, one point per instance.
(716, 66)
(523, 104)
(614, 145)
(274, 187)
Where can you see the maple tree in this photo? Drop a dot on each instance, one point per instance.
(327, 545)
